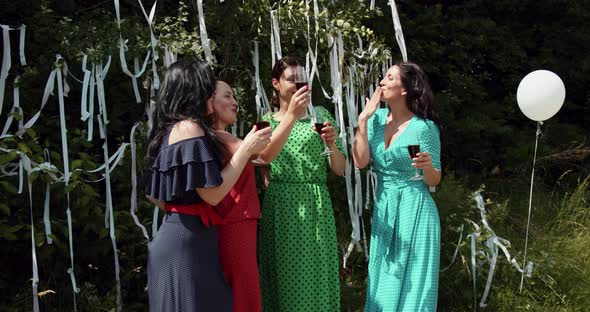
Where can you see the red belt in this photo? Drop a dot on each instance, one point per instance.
(208, 216)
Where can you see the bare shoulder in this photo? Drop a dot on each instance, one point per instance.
(183, 130)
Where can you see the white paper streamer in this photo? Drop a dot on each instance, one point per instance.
(456, 250)
(26, 163)
(493, 243)
(275, 37)
(16, 109)
(399, 35)
(154, 42)
(91, 104)
(46, 220)
(528, 222)
(155, 221)
(6, 62)
(133, 204)
(203, 33)
(23, 29)
(261, 100)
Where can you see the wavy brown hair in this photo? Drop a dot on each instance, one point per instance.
(183, 95)
(419, 96)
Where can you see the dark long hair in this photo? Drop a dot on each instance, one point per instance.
(419, 95)
(183, 95)
(277, 71)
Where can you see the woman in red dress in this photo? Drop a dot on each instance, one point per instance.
(240, 211)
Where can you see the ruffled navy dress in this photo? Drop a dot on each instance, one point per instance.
(184, 271)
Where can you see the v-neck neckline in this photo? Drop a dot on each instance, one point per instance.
(388, 147)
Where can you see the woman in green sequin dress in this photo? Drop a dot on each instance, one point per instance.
(405, 231)
(298, 249)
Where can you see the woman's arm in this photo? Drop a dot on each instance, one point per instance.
(432, 175)
(429, 159)
(253, 143)
(337, 159)
(280, 135)
(360, 147)
(156, 202)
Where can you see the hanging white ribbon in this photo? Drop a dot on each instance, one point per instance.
(275, 37)
(528, 222)
(23, 29)
(85, 84)
(150, 108)
(16, 109)
(90, 119)
(26, 163)
(49, 87)
(203, 33)
(456, 249)
(6, 62)
(169, 57)
(155, 221)
(154, 42)
(46, 220)
(71, 242)
(261, 99)
(399, 34)
(493, 243)
(123, 47)
(133, 204)
(109, 214)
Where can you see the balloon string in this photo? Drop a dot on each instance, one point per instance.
(526, 240)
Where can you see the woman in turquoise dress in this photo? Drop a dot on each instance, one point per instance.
(405, 238)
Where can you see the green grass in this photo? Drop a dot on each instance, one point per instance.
(559, 247)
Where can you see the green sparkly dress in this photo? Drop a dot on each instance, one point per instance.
(405, 230)
(298, 249)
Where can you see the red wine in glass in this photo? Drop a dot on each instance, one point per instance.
(319, 127)
(300, 85)
(262, 124)
(413, 150)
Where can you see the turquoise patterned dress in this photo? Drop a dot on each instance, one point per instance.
(405, 237)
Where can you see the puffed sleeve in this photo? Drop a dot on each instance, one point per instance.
(430, 142)
(181, 167)
(372, 123)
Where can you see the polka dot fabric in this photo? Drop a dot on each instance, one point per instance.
(297, 247)
(405, 239)
(184, 270)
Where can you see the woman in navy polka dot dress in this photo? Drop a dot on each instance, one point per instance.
(405, 230)
(298, 248)
(185, 178)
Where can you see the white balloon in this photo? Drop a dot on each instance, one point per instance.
(540, 95)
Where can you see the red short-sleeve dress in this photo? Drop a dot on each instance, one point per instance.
(240, 210)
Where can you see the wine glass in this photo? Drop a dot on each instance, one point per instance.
(413, 150)
(260, 124)
(301, 80)
(318, 119)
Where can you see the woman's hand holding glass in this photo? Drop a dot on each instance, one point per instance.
(299, 101)
(256, 140)
(328, 134)
(422, 161)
